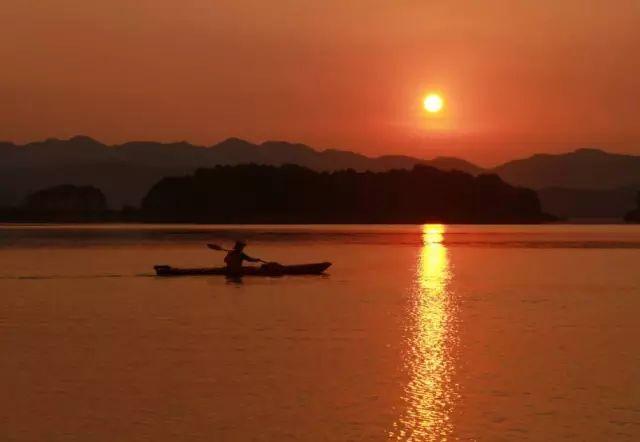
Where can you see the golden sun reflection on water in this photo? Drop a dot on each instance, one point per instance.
(430, 393)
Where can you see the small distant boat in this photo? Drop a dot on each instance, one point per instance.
(269, 269)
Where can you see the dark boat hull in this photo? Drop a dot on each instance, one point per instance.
(264, 270)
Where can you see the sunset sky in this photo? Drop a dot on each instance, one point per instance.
(517, 77)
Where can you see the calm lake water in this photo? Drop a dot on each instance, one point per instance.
(417, 333)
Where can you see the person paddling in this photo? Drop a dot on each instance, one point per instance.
(235, 257)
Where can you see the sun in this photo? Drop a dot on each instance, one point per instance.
(433, 103)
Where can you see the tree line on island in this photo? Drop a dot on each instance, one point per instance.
(294, 194)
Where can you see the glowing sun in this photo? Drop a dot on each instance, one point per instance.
(433, 103)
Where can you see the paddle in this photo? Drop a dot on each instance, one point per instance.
(222, 249)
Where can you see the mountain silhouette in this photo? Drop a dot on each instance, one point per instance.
(125, 172)
(582, 183)
(587, 183)
(580, 169)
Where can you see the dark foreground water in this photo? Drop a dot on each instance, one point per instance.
(417, 333)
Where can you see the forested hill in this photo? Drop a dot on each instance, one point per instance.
(294, 194)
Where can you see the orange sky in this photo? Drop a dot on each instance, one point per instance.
(518, 76)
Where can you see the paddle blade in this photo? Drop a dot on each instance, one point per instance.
(214, 247)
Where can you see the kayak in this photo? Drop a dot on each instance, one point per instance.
(269, 269)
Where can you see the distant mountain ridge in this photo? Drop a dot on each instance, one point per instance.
(586, 183)
(86, 150)
(603, 182)
(125, 172)
(580, 169)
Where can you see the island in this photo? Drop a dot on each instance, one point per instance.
(294, 194)
(63, 203)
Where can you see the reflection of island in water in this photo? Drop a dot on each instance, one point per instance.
(430, 394)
